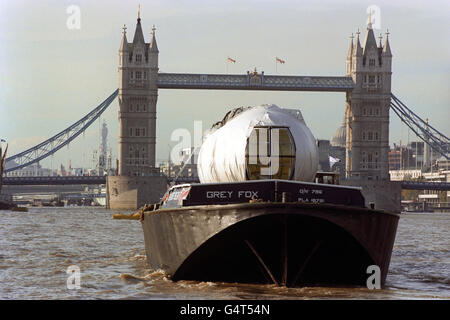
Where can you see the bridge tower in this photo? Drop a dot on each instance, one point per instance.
(367, 118)
(367, 108)
(138, 93)
(139, 180)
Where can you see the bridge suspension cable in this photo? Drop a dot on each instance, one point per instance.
(435, 139)
(431, 136)
(50, 146)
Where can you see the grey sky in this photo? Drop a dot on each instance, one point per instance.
(52, 76)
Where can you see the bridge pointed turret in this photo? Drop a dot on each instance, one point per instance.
(138, 34)
(350, 48)
(123, 50)
(358, 50)
(153, 45)
(387, 48)
(370, 42)
(124, 43)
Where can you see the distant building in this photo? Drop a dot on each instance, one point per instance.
(34, 170)
(435, 196)
(78, 171)
(398, 158)
(443, 164)
(324, 155)
(400, 175)
(337, 149)
(184, 166)
(62, 170)
(413, 156)
(416, 149)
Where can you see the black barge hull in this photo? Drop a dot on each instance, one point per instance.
(7, 205)
(285, 243)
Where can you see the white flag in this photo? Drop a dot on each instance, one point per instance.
(333, 161)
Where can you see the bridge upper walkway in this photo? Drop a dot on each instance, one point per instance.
(253, 81)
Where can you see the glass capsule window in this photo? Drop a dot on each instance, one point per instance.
(270, 154)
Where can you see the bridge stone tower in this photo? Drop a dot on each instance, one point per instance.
(138, 73)
(367, 119)
(367, 108)
(139, 180)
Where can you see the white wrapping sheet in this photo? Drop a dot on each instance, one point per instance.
(222, 154)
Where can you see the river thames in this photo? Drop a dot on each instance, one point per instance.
(36, 249)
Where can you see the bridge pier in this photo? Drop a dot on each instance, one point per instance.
(124, 192)
(384, 195)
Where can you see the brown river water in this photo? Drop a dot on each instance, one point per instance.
(37, 247)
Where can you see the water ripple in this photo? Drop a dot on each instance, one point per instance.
(37, 248)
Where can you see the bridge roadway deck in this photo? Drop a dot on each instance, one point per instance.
(426, 185)
(69, 180)
(87, 180)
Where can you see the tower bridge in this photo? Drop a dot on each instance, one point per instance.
(366, 84)
(367, 88)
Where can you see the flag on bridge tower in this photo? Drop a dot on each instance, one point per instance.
(279, 60)
(230, 60)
